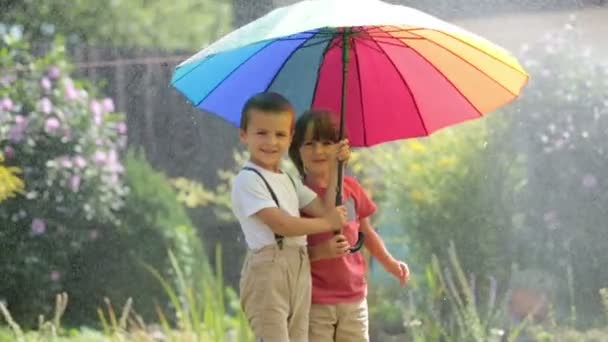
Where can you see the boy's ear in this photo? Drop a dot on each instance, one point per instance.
(243, 136)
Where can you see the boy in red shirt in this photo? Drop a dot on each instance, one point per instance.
(339, 306)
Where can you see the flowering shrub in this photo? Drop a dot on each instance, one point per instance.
(67, 144)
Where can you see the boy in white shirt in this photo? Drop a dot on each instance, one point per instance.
(275, 285)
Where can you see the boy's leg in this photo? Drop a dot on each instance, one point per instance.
(300, 285)
(353, 323)
(323, 320)
(264, 294)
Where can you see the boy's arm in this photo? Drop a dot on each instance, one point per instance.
(335, 247)
(378, 250)
(284, 224)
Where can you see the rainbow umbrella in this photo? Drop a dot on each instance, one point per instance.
(391, 72)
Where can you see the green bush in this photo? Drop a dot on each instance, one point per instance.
(153, 222)
(67, 144)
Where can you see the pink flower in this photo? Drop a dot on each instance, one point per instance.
(38, 226)
(100, 157)
(45, 83)
(80, 162)
(121, 127)
(71, 93)
(108, 105)
(75, 183)
(97, 111)
(51, 125)
(6, 104)
(65, 162)
(45, 105)
(53, 72)
(113, 162)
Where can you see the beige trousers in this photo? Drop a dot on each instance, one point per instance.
(344, 322)
(275, 293)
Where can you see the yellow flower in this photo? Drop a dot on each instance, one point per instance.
(418, 196)
(416, 145)
(10, 183)
(446, 162)
(416, 168)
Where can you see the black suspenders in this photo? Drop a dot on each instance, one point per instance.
(277, 237)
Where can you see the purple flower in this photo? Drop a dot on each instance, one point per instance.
(9, 152)
(6, 104)
(16, 133)
(46, 84)
(53, 72)
(108, 105)
(7, 80)
(100, 157)
(45, 105)
(75, 183)
(55, 276)
(51, 125)
(38, 226)
(121, 127)
(589, 181)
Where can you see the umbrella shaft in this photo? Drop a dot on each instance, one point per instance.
(345, 53)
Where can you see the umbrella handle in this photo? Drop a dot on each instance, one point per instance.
(359, 244)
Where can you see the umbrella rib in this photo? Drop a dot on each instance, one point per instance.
(314, 93)
(467, 62)
(448, 80)
(285, 62)
(480, 50)
(360, 93)
(409, 90)
(231, 72)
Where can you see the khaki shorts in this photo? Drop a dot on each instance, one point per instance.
(344, 322)
(275, 293)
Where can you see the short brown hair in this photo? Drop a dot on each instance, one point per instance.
(267, 102)
(324, 128)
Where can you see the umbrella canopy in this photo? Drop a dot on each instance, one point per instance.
(394, 72)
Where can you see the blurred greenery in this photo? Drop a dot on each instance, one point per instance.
(180, 24)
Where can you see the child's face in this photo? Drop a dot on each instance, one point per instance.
(315, 154)
(267, 137)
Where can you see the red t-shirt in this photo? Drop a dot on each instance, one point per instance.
(341, 280)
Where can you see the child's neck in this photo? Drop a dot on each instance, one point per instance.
(271, 168)
(317, 180)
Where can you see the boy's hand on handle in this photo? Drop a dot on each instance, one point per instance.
(400, 270)
(337, 218)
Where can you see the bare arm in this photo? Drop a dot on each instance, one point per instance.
(284, 224)
(378, 250)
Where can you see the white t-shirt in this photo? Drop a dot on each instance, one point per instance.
(250, 195)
